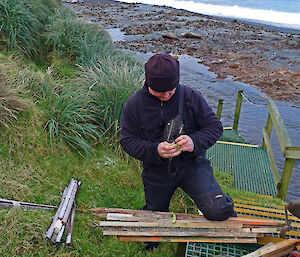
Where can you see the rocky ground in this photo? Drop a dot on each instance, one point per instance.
(265, 58)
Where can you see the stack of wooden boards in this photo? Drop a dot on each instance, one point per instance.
(150, 226)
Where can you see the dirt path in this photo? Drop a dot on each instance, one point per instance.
(268, 60)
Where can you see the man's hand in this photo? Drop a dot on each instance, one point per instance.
(185, 143)
(168, 150)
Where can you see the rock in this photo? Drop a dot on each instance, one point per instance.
(169, 35)
(217, 61)
(190, 35)
(233, 66)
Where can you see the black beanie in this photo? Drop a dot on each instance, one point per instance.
(162, 72)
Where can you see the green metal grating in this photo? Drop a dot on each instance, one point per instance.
(211, 249)
(249, 166)
(229, 135)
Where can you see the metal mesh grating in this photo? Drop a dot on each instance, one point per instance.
(210, 249)
(230, 135)
(248, 165)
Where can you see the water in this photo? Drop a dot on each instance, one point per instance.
(279, 13)
(253, 114)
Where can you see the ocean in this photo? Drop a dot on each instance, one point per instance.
(277, 13)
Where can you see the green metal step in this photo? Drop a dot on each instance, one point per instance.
(211, 249)
(248, 165)
(230, 135)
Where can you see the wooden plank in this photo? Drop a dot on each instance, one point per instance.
(278, 249)
(102, 212)
(237, 110)
(188, 239)
(271, 156)
(257, 252)
(292, 152)
(282, 134)
(269, 239)
(272, 239)
(181, 224)
(179, 233)
(118, 216)
(285, 177)
(219, 109)
(280, 222)
(259, 213)
(247, 223)
(268, 127)
(264, 230)
(267, 210)
(211, 227)
(134, 218)
(259, 208)
(144, 213)
(291, 232)
(255, 202)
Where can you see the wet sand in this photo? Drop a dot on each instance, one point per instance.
(266, 58)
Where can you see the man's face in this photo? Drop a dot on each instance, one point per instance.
(162, 96)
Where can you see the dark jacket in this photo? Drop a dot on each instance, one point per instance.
(200, 123)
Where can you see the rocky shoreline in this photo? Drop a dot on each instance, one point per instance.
(266, 59)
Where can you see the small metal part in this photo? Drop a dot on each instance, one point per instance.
(287, 226)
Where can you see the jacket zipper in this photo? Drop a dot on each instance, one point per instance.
(161, 111)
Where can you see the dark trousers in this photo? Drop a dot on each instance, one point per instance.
(196, 179)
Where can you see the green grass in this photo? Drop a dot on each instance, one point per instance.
(33, 172)
(55, 113)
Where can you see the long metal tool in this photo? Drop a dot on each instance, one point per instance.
(70, 226)
(4, 203)
(64, 213)
(51, 229)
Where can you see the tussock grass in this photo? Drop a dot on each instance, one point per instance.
(10, 105)
(70, 38)
(111, 82)
(22, 23)
(10, 102)
(68, 115)
(40, 85)
(72, 120)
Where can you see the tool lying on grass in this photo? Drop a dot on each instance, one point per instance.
(150, 226)
(64, 217)
(23, 205)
